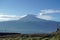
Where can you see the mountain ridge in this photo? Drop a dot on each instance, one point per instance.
(29, 24)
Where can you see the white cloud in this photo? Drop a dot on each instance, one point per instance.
(43, 13)
(46, 17)
(49, 11)
(10, 17)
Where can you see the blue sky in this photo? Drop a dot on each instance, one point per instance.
(16, 8)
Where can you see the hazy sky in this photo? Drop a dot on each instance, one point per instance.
(46, 9)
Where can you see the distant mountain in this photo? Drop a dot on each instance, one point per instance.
(30, 18)
(29, 24)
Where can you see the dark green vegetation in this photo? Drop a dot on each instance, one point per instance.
(18, 36)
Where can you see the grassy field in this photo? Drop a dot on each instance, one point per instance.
(52, 36)
(57, 37)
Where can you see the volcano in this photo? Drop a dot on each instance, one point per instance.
(29, 24)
